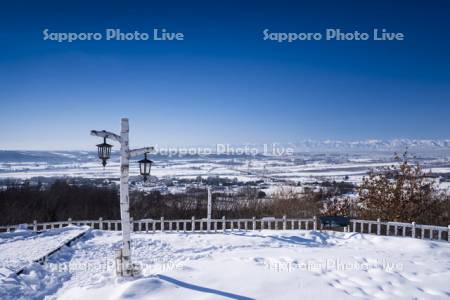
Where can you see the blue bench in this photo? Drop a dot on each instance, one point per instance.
(334, 221)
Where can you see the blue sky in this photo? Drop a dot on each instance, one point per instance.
(223, 83)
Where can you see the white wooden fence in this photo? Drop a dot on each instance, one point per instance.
(402, 229)
(182, 225)
(220, 225)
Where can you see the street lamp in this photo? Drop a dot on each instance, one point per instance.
(124, 267)
(145, 166)
(104, 151)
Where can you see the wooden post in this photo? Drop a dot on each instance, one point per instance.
(184, 226)
(315, 223)
(34, 225)
(178, 226)
(378, 226)
(413, 230)
(422, 233)
(100, 223)
(369, 229)
(448, 234)
(254, 223)
(154, 226)
(284, 222)
(215, 225)
(170, 226)
(232, 225)
(224, 224)
(245, 224)
(353, 227)
(404, 230)
(193, 224)
(239, 225)
(162, 224)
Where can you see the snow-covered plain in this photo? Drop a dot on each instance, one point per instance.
(308, 168)
(240, 265)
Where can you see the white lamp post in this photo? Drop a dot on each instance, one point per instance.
(124, 266)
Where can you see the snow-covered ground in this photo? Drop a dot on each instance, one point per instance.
(239, 265)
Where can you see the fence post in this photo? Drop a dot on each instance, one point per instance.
(215, 225)
(378, 226)
(162, 224)
(224, 224)
(245, 225)
(34, 225)
(404, 230)
(100, 223)
(353, 226)
(448, 234)
(178, 226)
(254, 223)
(422, 232)
(284, 222)
(154, 226)
(193, 224)
(413, 230)
(315, 223)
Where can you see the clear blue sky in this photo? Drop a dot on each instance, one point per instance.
(223, 83)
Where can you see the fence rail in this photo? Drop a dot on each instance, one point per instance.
(401, 229)
(180, 225)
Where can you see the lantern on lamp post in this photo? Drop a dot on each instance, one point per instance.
(104, 151)
(145, 166)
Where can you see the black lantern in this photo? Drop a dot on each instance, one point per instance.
(104, 151)
(144, 166)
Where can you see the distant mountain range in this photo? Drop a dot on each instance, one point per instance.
(396, 145)
(374, 145)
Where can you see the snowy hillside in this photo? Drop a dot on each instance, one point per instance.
(240, 265)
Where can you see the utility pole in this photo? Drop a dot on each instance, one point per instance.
(209, 209)
(124, 266)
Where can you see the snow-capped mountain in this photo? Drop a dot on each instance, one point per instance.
(374, 145)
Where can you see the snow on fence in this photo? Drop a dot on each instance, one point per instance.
(182, 225)
(219, 225)
(402, 229)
